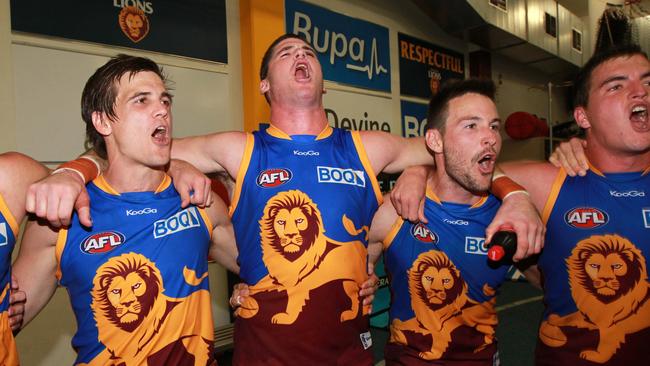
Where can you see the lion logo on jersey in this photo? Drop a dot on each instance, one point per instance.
(609, 285)
(438, 299)
(300, 257)
(130, 311)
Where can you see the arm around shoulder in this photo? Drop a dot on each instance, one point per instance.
(391, 153)
(382, 222)
(35, 267)
(220, 151)
(223, 247)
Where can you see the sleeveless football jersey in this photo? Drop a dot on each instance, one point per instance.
(443, 287)
(138, 280)
(594, 271)
(301, 211)
(8, 232)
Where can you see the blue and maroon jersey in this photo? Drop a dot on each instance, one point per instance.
(8, 232)
(138, 279)
(301, 210)
(594, 270)
(443, 289)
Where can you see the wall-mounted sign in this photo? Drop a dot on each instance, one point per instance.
(423, 66)
(414, 118)
(350, 50)
(359, 112)
(191, 28)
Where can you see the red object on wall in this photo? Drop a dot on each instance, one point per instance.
(523, 125)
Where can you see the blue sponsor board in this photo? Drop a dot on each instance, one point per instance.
(423, 66)
(350, 50)
(191, 28)
(414, 118)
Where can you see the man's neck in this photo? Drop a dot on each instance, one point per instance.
(608, 161)
(448, 190)
(299, 121)
(133, 179)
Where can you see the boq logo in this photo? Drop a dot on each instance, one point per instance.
(102, 242)
(422, 233)
(586, 218)
(273, 177)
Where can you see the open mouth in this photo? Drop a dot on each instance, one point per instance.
(301, 71)
(161, 135)
(639, 118)
(486, 162)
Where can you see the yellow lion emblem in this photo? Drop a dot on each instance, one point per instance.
(438, 298)
(295, 252)
(609, 285)
(134, 318)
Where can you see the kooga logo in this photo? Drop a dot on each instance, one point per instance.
(306, 153)
(144, 211)
(626, 194)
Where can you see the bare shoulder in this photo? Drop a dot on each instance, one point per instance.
(217, 211)
(17, 172)
(524, 172)
(383, 220)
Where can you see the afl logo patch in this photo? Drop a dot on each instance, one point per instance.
(422, 233)
(586, 218)
(102, 242)
(273, 177)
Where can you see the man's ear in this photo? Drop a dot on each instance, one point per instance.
(433, 138)
(102, 123)
(264, 86)
(580, 115)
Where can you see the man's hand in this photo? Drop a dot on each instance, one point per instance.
(408, 195)
(518, 211)
(193, 186)
(54, 197)
(571, 156)
(369, 287)
(16, 306)
(239, 292)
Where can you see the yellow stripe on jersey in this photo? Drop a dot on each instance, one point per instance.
(11, 220)
(167, 180)
(208, 222)
(325, 133)
(276, 132)
(480, 202)
(58, 250)
(243, 167)
(433, 196)
(388, 240)
(552, 196)
(361, 151)
(102, 184)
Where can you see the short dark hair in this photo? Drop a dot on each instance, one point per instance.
(264, 67)
(100, 93)
(438, 106)
(582, 82)
(266, 59)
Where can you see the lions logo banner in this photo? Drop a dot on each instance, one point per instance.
(423, 66)
(191, 28)
(350, 50)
